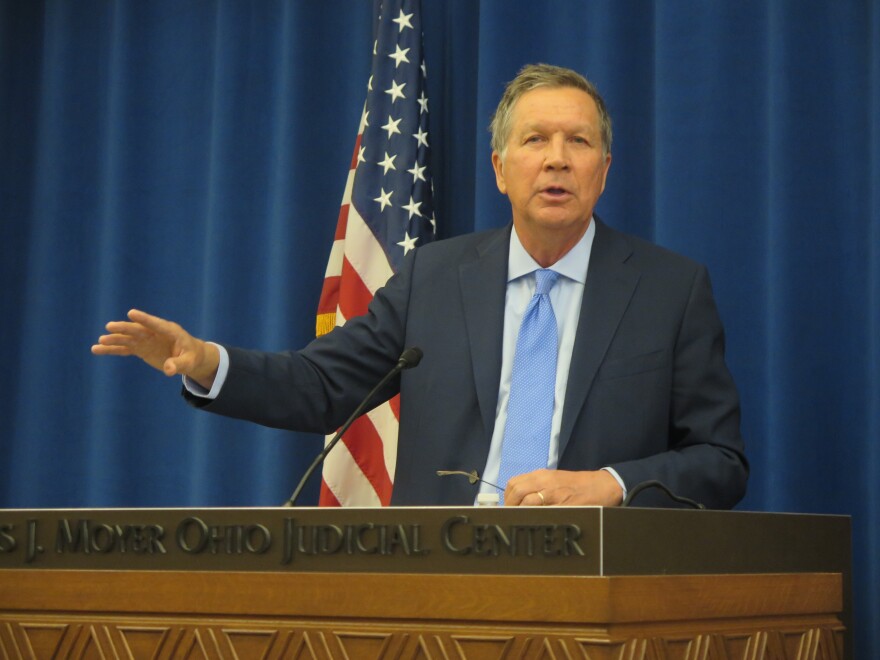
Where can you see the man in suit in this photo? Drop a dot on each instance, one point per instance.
(638, 387)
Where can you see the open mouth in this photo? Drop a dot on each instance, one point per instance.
(555, 191)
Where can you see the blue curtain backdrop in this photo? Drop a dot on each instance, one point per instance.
(188, 157)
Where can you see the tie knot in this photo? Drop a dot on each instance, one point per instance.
(544, 280)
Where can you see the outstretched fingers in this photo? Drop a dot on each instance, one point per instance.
(155, 324)
(148, 337)
(162, 344)
(105, 348)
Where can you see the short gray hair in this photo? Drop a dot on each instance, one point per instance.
(531, 77)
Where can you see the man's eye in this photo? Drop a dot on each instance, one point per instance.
(533, 138)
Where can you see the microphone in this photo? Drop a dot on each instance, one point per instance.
(408, 359)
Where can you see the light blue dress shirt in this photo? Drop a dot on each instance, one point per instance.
(566, 297)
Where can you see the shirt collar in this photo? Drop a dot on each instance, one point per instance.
(573, 264)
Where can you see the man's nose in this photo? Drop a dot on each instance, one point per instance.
(556, 154)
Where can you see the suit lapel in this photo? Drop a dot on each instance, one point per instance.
(609, 288)
(483, 284)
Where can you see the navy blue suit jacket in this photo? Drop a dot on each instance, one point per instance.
(649, 392)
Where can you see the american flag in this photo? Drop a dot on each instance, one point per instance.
(387, 210)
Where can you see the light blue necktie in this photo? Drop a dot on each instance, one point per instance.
(526, 443)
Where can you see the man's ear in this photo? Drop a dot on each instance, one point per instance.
(605, 173)
(498, 166)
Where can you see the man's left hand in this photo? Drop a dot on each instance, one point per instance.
(563, 488)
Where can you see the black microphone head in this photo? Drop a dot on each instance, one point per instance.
(410, 358)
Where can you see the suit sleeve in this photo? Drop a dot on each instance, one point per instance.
(705, 459)
(315, 389)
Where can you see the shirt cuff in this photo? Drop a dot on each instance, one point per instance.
(617, 478)
(222, 370)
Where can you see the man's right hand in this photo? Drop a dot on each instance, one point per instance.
(163, 345)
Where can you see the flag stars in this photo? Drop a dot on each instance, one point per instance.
(392, 126)
(418, 173)
(408, 243)
(413, 207)
(423, 103)
(403, 21)
(396, 91)
(399, 55)
(384, 199)
(388, 164)
(361, 151)
(421, 137)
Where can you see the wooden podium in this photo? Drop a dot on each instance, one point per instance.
(423, 583)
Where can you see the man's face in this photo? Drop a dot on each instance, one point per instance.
(554, 168)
